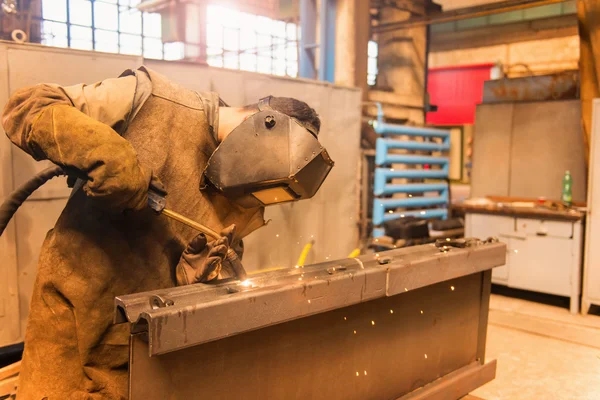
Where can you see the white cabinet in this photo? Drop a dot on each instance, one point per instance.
(483, 226)
(542, 256)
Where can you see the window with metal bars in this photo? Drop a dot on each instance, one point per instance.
(114, 26)
(235, 39)
(248, 42)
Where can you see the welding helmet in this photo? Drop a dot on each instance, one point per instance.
(269, 158)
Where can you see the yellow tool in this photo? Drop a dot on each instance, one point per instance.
(304, 254)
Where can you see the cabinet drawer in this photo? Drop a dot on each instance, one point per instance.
(536, 227)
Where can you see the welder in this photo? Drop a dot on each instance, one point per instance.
(118, 140)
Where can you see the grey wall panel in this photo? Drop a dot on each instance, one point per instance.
(30, 65)
(10, 331)
(491, 150)
(341, 191)
(34, 220)
(547, 141)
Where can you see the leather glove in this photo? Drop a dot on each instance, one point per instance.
(202, 261)
(98, 154)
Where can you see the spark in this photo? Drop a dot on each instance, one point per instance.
(451, 287)
(365, 372)
(355, 332)
(372, 322)
(246, 283)
(277, 235)
(391, 311)
(309, 302)
(421, 311)
(405, 289)
(345, 319)
(425, 356)
(357, 373)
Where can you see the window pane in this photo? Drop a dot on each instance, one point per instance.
(372, 49)
(264, 64)
(292, 69)
(264, 44)
(247, 21)
(131, 21)
(291, 52)
(248, 62)
(278, 29)
(231, 39)
(153, 48)
(279, 49)
(291, 31)
(107, 41)
(215, 61)
(81, 38)
(263, 25)
(152, 25)
(230, 60)
(80, 12)
(247, 38)
(55, 10)
(174, 51)
(214, 35)
(130, 44)
(372, 66)
(105, 16)
(54, 34)
(214, 51)
(279, 67)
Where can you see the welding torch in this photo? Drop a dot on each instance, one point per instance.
(158, 203)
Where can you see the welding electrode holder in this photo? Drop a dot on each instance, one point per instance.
(158, 203)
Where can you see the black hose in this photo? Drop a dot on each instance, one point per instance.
(16, 198)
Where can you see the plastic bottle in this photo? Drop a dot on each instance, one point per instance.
(567, 184)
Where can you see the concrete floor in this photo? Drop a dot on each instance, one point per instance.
(543, 352)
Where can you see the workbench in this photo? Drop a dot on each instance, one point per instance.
(544, 246)
(401, 324)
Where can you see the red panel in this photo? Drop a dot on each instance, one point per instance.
(456, 91)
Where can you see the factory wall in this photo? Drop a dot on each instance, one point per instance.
(330, 218)
(538, 56)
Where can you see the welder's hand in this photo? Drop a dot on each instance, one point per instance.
(202, 261)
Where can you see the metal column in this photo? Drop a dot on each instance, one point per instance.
(308, 38)
(327, 39)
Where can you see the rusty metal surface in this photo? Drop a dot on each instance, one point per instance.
(384, 348)
(562, 86)
(187, 316)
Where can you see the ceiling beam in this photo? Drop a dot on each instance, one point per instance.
(463, 13)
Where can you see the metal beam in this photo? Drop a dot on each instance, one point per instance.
(185, 316)
(464, 13)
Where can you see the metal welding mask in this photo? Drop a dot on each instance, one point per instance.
(269, 158)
